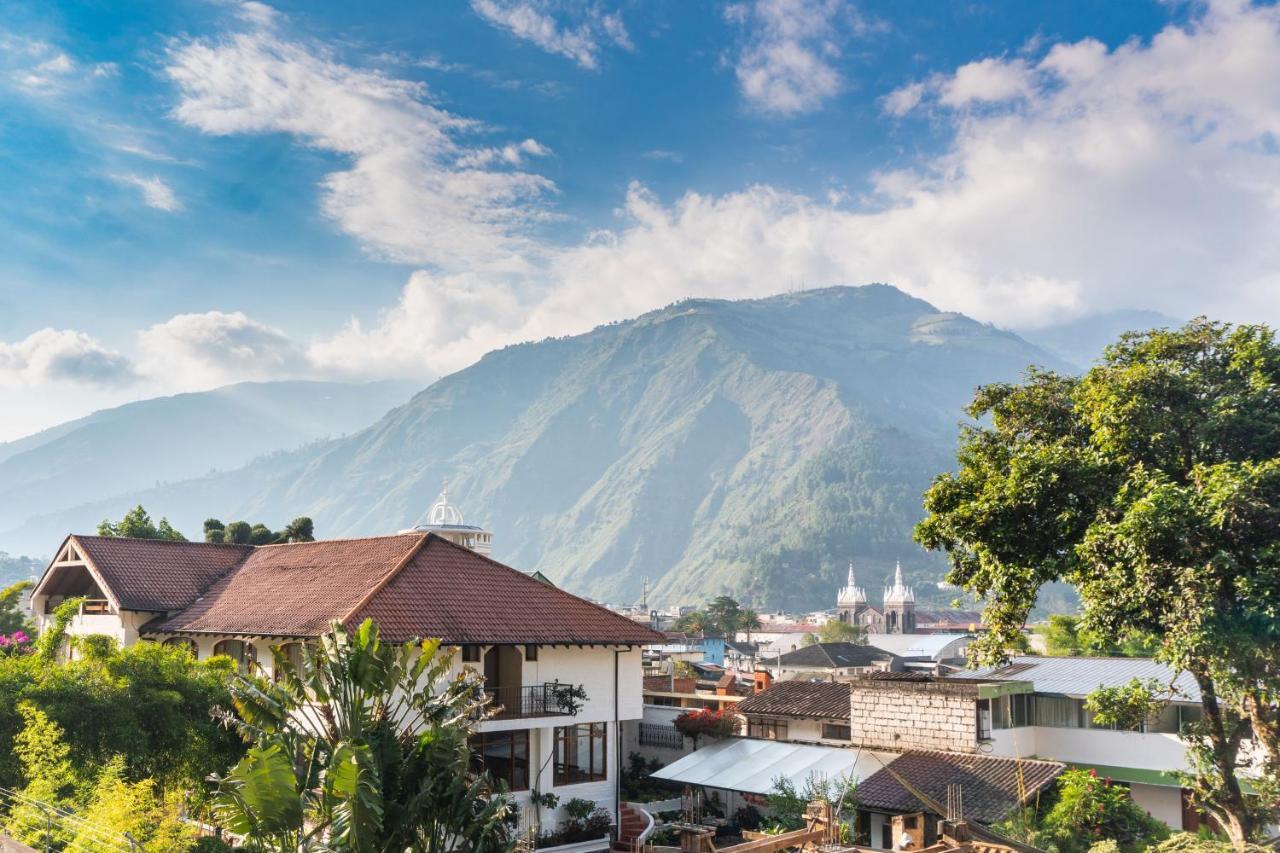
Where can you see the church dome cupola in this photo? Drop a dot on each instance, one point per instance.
(445, 520)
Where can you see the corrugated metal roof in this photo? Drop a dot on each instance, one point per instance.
(750, 765)
(1080, 676)
(916, 645)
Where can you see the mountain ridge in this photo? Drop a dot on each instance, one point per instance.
(748, 446)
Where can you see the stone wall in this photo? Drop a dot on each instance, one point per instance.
(923, 715)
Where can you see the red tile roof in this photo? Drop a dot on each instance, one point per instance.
(292, 590)
(149, 574)
(452, 592)
(412, 585)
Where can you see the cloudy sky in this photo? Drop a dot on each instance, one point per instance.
(196, 193)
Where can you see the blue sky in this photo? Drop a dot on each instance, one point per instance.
(198, 193)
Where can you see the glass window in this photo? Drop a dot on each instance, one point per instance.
(581, 753)
(1060, 712)
(293, 655)
(767, 729)
(831, 731)
(470, 654)
(530, 652)
(505, 755)
(244, 654)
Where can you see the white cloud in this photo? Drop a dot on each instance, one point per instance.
(62, 355)
(512, 154)
(986, 80)
(39, 68)
(1135, 177)
(409, 194)
(155, 192)
(203, 350)
(539, 22)
(786, 64)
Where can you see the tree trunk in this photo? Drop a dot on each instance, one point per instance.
(1230, 806)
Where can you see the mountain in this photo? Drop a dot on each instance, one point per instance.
(140, 445)
(1080, 342)
(753, 447)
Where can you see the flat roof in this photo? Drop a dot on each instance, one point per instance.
(1080, 676)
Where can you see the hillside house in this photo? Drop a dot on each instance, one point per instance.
(526, 638)
(831, 660)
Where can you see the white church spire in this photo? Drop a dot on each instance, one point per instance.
(899, 593)
(851, 594)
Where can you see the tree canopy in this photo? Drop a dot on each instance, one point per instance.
(1151, 483)
(137, 524)
(722, 615)
(301, 529)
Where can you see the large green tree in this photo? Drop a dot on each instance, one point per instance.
(364, 743)
(1152, 483)
(301, 529)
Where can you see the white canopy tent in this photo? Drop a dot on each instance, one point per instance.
(751, 766)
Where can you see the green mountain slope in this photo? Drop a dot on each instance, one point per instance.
(753, 447)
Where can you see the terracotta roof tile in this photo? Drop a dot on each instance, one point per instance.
(411, 585)
(292, 590)
(989, 785)
(149, 574)
(818, 699)
(454, 593)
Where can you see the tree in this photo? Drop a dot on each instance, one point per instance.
(835, 631)
(364, 743)
(1065, 635)
(1091, 809)
(137, 524)
(301, 529)
(1152, 483)
(1129, 707)
(808, 639)
(722, 615)
(12, 617)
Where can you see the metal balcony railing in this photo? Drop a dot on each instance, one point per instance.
(534, 700)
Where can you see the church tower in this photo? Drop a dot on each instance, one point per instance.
(445, 520)
(851, 601)
(899, 606)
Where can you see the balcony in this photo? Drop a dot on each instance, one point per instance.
(534, 700)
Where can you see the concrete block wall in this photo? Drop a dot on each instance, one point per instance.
(914, 716)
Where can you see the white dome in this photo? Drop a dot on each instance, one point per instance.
(442, 512)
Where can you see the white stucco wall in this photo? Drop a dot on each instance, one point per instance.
(1163, 804)
(1150, 751)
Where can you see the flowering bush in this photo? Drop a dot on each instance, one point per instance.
(1091, 809)
(16, 643)
(696, 724)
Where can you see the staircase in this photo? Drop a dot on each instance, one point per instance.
(633, 822)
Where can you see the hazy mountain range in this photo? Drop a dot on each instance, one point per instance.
(754, 447)
(141, 445)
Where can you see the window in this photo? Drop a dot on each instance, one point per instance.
(505, 755)
(292, 653)
(470, 654)
(767, 729)
(244, 654)
(984, 719)
(581, 753)
(531, 652)
(184, 643)
(1059, 712)
(832, 731)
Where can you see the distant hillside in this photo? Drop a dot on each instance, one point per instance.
(753, 447)
(14, 569)
(1081, 342)
(141, 445)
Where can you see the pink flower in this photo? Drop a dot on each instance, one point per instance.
(4, 641)
(20, 636)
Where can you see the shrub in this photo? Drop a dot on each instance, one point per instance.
(1092, 809)
(708, 723)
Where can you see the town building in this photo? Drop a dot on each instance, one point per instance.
(528, 640)
(897, 615)
(1048, 718)
(831, 660)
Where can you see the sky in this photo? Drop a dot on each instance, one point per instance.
(197, 193)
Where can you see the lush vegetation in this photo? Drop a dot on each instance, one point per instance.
(300, 529)
(122, 738)
(786, 804)
(1085, 812)
(1066, 635)
(835, 631)
(1152, 483)
(365, 744)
